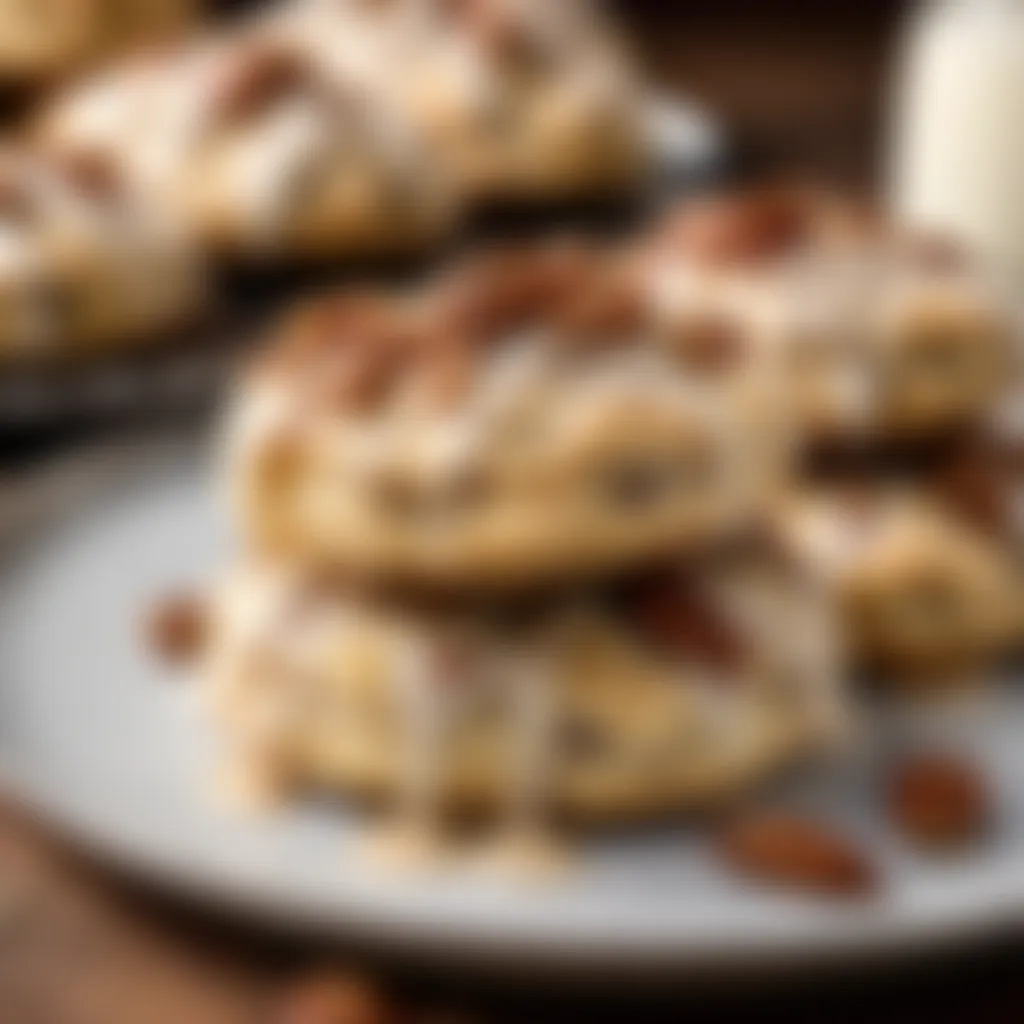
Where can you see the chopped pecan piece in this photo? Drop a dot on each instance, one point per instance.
(973, 483)
(334, 998)
(177, 628)
(255, 78)
(93, 174)
(336, 320)
(676, 618)
(938, 800)
(607, 307)
(357, 381)
(712, 344)
(564, 267)
(797, 853)
(15, 198)
(750, 227)
(493, 293)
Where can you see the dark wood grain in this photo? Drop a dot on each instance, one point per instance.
(800, 87)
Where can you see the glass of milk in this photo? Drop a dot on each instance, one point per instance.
(957, 155)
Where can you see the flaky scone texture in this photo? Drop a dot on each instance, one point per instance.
(923, 598)
(659, 693)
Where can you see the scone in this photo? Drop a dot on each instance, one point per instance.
(48, 38)
(923, 598)
(658, 693)
(84, 265)
(260, 154)
(528, 100)
(515, 421)
(877, 338)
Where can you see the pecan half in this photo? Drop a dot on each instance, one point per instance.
(334, 998)
(177, 627)
(797, 853)
(938, 800)
(357, 381)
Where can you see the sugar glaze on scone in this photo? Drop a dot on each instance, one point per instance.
(660, 692)
(259, 152)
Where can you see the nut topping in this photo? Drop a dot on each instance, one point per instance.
(712, 344)
(938, 800)
(797, 853)
(746, 228)
(334, 998)
(973, 483)
(177, 628)
(93, 174)
(257, 77)
(607, 308)
(493, 294)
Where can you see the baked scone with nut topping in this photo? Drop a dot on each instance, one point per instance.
(288, 162)
(530, 101)
(260, 153)
(923, 598)
(880, 337)
(84, 264)
(45, 39)
(655, 693)
(516, 420)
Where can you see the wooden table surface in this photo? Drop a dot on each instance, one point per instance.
(801, 88)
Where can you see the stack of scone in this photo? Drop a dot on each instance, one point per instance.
(539, 539)
(505, 550)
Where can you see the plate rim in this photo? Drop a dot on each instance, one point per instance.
(836, 935)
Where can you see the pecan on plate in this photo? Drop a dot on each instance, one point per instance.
(798, 853)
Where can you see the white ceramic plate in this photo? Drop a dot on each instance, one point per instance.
(107, 744)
